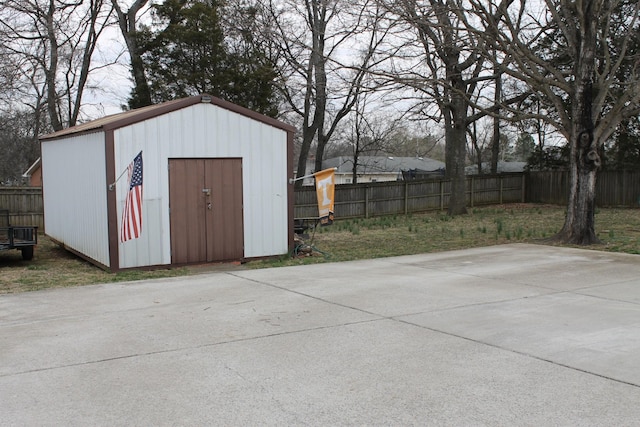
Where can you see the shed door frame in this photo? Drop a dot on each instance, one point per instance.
(206, 210)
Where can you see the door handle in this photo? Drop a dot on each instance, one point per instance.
(206, 191)
(209, 205)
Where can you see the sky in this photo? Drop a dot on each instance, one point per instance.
(109, 85)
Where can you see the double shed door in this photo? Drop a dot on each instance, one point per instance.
(205, 207)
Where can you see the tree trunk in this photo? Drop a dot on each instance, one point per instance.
(141, 94)
(579, 225)
(354, 170)
(307, 137)
(316, 90)
(455, 153)
(319, 65)
(51, 72)
(495, 140)
(87, 53)
(322, 143)
(456, 146)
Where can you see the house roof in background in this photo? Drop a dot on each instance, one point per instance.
(503, 167)
(382, 164)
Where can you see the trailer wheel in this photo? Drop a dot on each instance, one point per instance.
(27, 253)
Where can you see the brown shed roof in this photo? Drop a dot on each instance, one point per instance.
(126, 118)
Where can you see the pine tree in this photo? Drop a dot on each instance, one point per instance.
(190, 54)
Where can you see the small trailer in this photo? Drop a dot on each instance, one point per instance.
(23, 238)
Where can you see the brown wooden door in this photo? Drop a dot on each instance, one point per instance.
(205, 206)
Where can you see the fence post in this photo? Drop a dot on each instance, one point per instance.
(472, 194)
(366, 201)
(624, 188)
(501, 189)
(406, 197)
(441, 194)
(523, 196)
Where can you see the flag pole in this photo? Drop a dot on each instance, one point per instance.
(112, 186)
(292, 180)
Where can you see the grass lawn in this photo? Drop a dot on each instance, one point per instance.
(351, 239)
(619, 230)
(54, 267)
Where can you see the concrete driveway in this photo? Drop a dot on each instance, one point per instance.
(517, 334)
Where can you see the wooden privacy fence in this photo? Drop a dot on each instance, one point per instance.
(613, 188)
(403, 197)
(24, 205)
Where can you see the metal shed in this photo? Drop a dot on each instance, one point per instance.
(214, 185)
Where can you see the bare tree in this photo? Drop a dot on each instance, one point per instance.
(53, 43)
(369, 131)
(128, 23)
(325, 48)
(577, 58)
(454, 66)
(479, 144)
(450, 72)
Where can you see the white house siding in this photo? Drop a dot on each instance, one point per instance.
(364, 178)
(205, 131)
(75, 194)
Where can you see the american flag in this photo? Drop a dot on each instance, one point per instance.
(132, 213)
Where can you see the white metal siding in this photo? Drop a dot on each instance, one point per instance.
(206, 131)
(75, 194)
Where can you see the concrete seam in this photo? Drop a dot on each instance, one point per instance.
(398, 320)
(196, 347)
(520, 353)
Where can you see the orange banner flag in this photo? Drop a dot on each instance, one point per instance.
(325, 190)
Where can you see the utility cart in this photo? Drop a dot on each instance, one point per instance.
(23, 238)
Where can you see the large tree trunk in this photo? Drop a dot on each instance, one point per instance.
(456, 145)
(455, 153)
(495, 139)
(87, 53)
(316, 90)
(50, 73)
(579, 225)
(319, 61)
(141, 94)
(307, 138)
(322, 143)
(310, 125)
